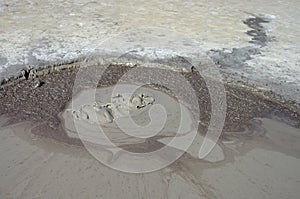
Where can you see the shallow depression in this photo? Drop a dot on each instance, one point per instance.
(131, 118)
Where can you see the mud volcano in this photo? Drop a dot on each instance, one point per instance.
(258, 151)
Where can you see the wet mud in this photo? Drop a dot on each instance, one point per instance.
(24, 101)
(260, 135)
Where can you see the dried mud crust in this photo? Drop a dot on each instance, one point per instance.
(41, 99)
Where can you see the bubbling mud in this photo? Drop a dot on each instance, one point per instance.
(260, 161)
(114, 113)
(119, 106)
(258, 156)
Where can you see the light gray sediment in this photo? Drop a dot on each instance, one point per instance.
(32, 38)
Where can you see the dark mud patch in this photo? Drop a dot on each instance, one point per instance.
(258, 31)
(237, 57)
(234, 58)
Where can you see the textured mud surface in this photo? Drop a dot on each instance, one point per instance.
(41, 99)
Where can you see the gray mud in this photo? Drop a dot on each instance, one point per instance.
(24, 101)
(258, 151)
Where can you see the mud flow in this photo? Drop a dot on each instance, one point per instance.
(47, 127)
